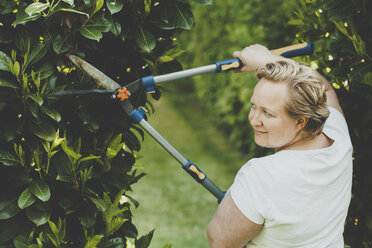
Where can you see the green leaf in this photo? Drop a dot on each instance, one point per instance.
(46, 70)
(21, 242)
(114, 146)
(100, 204)
(163, 25)
(58, 231)
(90, 157)
(43, 130)
(68, 204)
(151, 65)
(34, 110)
(8, 207)
(145, 39)
(165, 59)
(88, 3)
(91, 33)
(145, 240)
(93, 241)
(71, 2)
(114, 225)
(53, 239)
(100, 24)
(88, 217)
(113, 243)
(52, 113)
(204, 2)
(134, 201)
(183, 16)
(360, 71)
(114, 6)
(7, 7)
(73, 11)
(26, 199)
(36, 54)
(38, 214)
(171, 55)
(53, 227)
(4, 61)
(69, 151)
(65, 178)
(97, 5)
(338, 10)
(367, 78)
(59, 45)
(16, 68)
(115, 28)
(22, 17)
(132, 141)
(296, 22)
(77, 145)
(35, 8)
(341, 27)
(38, 99)
(8, 159)
(41, 190)
(147, 4)
(89, 120)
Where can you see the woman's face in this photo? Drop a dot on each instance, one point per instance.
(272, 125)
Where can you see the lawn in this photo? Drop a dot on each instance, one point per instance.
(170, 200)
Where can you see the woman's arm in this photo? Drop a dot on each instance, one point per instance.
(229, 228)
(256, 56)
(332, 99)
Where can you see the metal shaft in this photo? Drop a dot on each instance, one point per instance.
(208, 184)
(212, 188)
(185, 73)
(163, 142)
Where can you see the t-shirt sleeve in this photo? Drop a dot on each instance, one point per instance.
(249, 193)
(336, 126)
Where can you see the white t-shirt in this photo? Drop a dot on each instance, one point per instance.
(300, 197)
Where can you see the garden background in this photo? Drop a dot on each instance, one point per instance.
(72, 166)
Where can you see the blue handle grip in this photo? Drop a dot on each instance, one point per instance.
(229, 64)
(308, 49)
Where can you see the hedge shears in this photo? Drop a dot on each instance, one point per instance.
(122, 94)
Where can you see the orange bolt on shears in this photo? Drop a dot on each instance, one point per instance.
(123, 94)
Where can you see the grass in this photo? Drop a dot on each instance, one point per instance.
(170, 200)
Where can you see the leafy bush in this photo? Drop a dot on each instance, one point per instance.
(223, 28)
(342, 30)
(68, 163)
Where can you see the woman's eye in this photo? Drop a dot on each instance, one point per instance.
(267, 113)
(253, 105)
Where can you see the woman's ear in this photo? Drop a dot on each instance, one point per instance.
(301, 122)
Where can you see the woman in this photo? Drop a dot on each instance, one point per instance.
(299, 196)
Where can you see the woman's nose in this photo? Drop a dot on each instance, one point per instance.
(254, 118)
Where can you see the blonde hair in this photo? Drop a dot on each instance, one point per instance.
(306, 92)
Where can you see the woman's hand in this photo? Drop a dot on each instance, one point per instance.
(255, 56)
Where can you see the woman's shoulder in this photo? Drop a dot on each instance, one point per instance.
(278, 166)
(268, 160)
(336, 127)
(267, 165)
